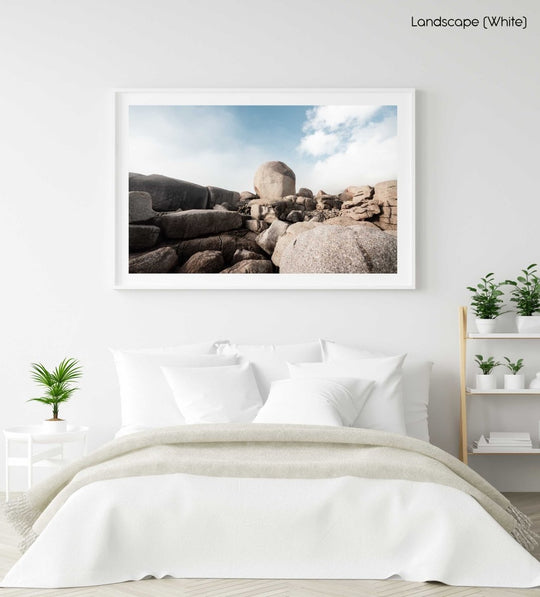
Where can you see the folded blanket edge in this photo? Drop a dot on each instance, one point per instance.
(522, 531)
(22, 516)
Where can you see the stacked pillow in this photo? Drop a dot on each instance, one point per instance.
(315, 401)
(320, 383)
(227, 394)
(146, 399)
(383, 409)
(416, 377)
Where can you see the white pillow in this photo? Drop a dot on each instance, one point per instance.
(188, 349)
(146, 399)
(269, 361)
(224, 395)
(384, 407)
(316, 401)
(416, 381)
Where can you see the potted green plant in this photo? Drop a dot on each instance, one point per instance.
(514, 380)
(58, 388)
(486, 303)
(486, 380)
(525, 295)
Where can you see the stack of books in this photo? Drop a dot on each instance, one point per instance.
(504, 441)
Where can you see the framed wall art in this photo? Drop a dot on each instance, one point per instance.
(265, 188)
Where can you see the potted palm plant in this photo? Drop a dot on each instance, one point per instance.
(514, 380)
(486, 303)
(526, 296)
(58, 388)
(486, 380)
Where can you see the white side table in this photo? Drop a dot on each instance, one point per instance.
(33, 435)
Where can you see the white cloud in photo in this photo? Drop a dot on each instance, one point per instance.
(364, 147)
(332, 117)
(319, 143)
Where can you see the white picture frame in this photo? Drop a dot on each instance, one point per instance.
(403, 99)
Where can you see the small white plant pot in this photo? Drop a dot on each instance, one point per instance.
(51, 426)
(528, 324)
(486, 382)
(486, 326)
(514, 382)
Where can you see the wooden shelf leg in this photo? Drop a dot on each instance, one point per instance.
(463, 383)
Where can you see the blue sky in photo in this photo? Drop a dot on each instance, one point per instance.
(328, 147)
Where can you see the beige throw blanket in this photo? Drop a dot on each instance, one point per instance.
(277, 451)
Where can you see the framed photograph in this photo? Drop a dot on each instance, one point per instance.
(265, 188)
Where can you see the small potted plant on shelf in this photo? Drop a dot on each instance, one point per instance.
(486, 380)
(526, 296)
(486, 303)
(58, 388)
(514, 380)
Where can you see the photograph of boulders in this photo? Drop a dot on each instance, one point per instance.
(274, 222)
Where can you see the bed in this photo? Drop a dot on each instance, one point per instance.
(297, 461)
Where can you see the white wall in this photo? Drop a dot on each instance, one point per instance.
(477, 198)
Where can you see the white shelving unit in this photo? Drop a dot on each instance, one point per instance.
(466, 392)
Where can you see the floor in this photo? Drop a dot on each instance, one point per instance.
(528, 502)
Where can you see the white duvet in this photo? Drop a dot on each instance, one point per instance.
(185, 526)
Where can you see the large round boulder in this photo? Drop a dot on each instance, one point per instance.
(274, 180)
(288, 238)
(340, 250)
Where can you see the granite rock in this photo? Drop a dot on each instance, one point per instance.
(250, 266)
(255, 225)
(294, 216)
(274, 180)
(340, 250)
(286, 239)
(347, 221)
(245, 255)
(160, 261)
(142, 237)
(267, 240)
(226, 245)
(269, 210)
(170, 194)
(304, 192)
(218, 196)
(245, 239)
(386, 192)
(140, 207)
(204, 262)
(198, 222)
(247, 196)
